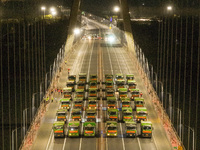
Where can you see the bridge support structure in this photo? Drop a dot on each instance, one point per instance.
(127, 26)
(72, 25)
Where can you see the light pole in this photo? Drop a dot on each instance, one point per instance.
(162, 98)
(46, 80)
(43, 9)
(33, 103)
(151, 66)
(14, 143)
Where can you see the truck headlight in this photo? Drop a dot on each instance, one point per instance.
(108, 134)
(70, 134)
(115, 134)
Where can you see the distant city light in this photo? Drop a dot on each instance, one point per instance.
(116, 8)
(53, 13)
(169, 7)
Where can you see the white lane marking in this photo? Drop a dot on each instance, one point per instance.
(64, 144)
(50, 139)
(139, 143)
(155, 142)
(122, 137)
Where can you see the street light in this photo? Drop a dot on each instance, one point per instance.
(43, 9)
(169, 8)
(116, 9)
(77, 31)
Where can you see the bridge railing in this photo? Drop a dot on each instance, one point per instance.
(146, 71)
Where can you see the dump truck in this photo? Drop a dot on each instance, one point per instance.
(93, 84)
(119, 76)
(72, 78)
(134, 93)
(83, 77)
(81, 85)
(126, 102)
(108, 77)
(78, 103)
(67, 92)
(111, 102)
(80, 93)
(91, 115)
(65, 103)
(109, 93)
(89, 129)
(127, 114)
(61, 115)
(120, 84)
(59, 129)
(129, 77)
(141, 114)
(93, 92)
(146, 128)
(92, 104)
(139, 102)
(111, 128)
(76, 114)
(74, 129)
(109, 85)
(130, 129)
(123, 93)
(71, 84)
(112, 114)
(131, 84)
(93, 77)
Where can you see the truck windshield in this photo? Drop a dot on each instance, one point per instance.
(73, 128)
(93, 84)
(61, 114)
(142, 114)
(108, 84)
(112, 128)
(79, 93)
(76, 113)
(77, 102)
(127, 114)
(58, 127)
(134, 93)
(81, 84)
(113, 113)
(139, 102)
(131, 128)
(125, 103)
(147, 127)
(93, 92)
(111, 102)
(90, 114)
(92, 102)
(82, 77)
(67, 102)
(89, 128)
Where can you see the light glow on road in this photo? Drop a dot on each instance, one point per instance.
(77, 31)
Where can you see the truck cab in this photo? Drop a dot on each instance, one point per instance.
(89, 129)
(139, 102)
(141, 114)
(109, 85)
(93, 92)
(119, 76)
(72, 78)
(111, 128)
(61, 115)
(109, 93)
(93, 77)
(81, 85)
(129, 77)
(108, 77)
(83, 77)
(67, 92)
(127, 114)
(65, 103)
(71, 84)
(131, 84)
(93, 84)
(134, 93)
(59, 129)
(126, 102)
(120, 84)
(80, 93)
(111, 102)
(76, 114)
(78, 103)
(112, 114)
(123, 93)
(91, 115)
(92, 104)
(74, 129)
(146, 128)
(130, 128)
